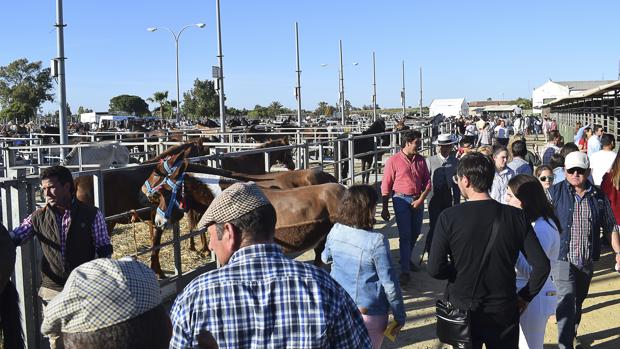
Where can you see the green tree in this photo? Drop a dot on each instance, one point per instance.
(82, 110)
(129, 104)
(24, 86)
(201, 100)
(160, 97)
(324, 109)
(275, 108)
(259, 112)
(525, 103)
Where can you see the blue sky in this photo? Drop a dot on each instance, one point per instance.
(472, 49)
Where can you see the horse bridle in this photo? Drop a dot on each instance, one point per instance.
(175, 186)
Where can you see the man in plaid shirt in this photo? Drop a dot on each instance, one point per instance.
(70, 233)
(582, 211)
(260, 298)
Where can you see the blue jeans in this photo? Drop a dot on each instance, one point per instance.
(572, 285)
(409, 223)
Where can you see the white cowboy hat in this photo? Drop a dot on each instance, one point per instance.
(446, 139)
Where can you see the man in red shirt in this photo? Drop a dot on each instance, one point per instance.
(406, 178)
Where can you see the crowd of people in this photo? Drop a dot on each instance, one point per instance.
(543, 212)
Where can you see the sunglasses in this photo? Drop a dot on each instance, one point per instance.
(546, 178)
(580, 171)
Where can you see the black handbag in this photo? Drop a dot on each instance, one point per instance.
(453, 324)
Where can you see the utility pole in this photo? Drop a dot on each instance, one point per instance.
(374, 89)
(402, 93)
(62, 89)
(421, 113)
(298, 88)
(220, 80)
(342, 100)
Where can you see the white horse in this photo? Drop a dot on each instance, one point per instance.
(105, 154)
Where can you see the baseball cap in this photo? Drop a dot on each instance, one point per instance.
(576, 159)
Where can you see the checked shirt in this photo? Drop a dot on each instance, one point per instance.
(262, 299)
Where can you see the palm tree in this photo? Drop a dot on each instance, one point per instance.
(159, 97)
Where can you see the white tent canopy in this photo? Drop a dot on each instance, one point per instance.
(449, 107)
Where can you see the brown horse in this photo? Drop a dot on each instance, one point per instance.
(255, 163)
(304, 214)
(122, 194)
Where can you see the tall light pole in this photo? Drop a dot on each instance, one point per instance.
(220, 79)
(176, 41)
(298, 87)
(421, 114)
(62, 89)
(341, 94)
(374, 89)
(402, 93)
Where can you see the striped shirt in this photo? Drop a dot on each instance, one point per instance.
(579, 248)
(262, 299)
(99, 229)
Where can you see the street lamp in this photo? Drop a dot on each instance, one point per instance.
(341, 98)
(176, 37)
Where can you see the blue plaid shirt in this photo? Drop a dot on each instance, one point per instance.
(262, 299)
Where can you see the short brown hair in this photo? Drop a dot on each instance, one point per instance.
(357, 207)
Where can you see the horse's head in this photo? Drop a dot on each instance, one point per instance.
(165, 174)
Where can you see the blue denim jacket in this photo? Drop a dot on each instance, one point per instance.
(562, 197)
(361, 264)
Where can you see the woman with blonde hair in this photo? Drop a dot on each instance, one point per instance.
(361, 262)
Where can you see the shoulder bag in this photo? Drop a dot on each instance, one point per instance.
(453, 324)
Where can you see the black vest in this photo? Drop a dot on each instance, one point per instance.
(79, 244)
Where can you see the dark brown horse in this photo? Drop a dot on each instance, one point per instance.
(122, 194)
(10, 316)
(361, 147)
(255, 163)
(304, 215)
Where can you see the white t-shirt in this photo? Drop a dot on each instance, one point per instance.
(471, 130)
(600, 163)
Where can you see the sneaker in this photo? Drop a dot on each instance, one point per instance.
(404, 278)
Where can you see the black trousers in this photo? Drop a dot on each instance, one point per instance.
(438, 203)
(496, 330)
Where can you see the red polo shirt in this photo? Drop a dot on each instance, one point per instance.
(404, 176)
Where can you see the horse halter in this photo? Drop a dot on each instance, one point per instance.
(174, 186)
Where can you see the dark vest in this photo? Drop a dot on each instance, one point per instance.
(79, 244)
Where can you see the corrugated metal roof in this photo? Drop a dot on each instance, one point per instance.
(583, 85)
(593, 92)
(500, 108)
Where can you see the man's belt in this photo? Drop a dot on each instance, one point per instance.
(414, 196)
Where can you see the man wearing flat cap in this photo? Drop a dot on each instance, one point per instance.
(109, 303)
(260, 298)
(582, 211)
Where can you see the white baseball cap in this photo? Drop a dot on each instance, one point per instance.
(576, 159)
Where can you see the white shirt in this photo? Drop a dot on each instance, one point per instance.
(471, 130)
(594, 145)
(600, 163)
(549, 239)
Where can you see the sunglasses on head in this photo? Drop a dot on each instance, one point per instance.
(579, 170)
(546, 178)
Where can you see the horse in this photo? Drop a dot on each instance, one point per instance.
(304, 214)
(361, 146)
(10, 316)
(104, 154)
(255, 163)
(122, 194)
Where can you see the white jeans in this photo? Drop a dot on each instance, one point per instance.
(534, 320)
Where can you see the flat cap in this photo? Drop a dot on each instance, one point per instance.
(102, 293)
(232, 203)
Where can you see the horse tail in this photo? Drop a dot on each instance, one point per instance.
(10, 318)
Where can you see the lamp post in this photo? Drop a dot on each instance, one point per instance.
(176, 37)
(341, 98)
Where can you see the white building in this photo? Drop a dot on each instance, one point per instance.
(552, 90)
(449, 107)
